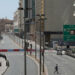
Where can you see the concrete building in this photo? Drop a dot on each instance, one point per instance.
(30, 18)
(8, 25)
(21, 15)
(19, 19)
(16, 19)
(58, 13)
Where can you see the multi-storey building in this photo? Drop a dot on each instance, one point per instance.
(21, 16)
(30, 18)
(58, 13)
(15, 22)
(19, 19)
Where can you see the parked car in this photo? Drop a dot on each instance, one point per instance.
(59, 52)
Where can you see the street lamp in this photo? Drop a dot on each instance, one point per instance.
(25, 67)
(40, 41)
(42, 19)
(20, 8)
(35, 38)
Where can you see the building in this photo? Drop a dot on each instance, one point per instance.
(19, 20)
(21, 16)
(15, 22)
(8, 25)
(30, 18)
(58, 13)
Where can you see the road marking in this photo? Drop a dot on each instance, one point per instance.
(3, 66)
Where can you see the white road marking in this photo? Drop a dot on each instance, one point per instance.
(3, 66)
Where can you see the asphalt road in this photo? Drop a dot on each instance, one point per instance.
(65, 63)
(16, 59)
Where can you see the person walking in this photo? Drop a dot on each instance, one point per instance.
(56, 69)
(31, 49)
(27, 45)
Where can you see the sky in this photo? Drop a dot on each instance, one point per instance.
(7, 8)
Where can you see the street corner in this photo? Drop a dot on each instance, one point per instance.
(4, 64)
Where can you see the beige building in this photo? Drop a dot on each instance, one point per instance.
(21, 16)
(8, 25)
(16, 19)
(19, 19)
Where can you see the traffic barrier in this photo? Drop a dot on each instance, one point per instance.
(17, 50)
(11, 50)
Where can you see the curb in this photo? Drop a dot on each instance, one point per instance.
(37, 62)
(31, 57)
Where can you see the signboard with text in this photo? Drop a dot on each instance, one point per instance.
(69, 33)
(16, 30)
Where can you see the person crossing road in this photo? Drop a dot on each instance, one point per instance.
(56, 69)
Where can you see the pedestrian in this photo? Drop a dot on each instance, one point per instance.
(30, 49)
(56, 69)
(31, 46)
(27, 45)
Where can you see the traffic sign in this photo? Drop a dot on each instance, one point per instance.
(69, 33)
(16, 30)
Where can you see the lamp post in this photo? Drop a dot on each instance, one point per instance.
(40, 40)
(25, 67)
(20, 8)
(22, 40)
(42, 19)
(35, 40)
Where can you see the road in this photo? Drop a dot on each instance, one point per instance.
(16, 59)
(66, 64)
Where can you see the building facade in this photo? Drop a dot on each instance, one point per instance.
(58, 13)
(30, 18)
(19, 19)
(16, 17)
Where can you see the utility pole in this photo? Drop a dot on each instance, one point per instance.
(25, 67)
(19, 20)
(42, 19)
(43, 23)
(35, 41)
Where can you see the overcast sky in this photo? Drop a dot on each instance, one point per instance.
(7, 8)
